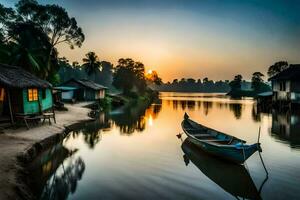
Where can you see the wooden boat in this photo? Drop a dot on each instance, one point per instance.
(217, 143)
(231, 177)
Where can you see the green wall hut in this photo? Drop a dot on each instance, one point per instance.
(22, 93)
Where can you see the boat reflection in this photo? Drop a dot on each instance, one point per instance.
(232, 178)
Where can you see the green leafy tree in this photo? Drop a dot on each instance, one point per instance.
(277, 68)
(235, 84)
(205, 80)
(128, 74)
(55, 23)
(30, 33)
(257, 80)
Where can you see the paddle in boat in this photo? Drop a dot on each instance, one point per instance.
(217, 143)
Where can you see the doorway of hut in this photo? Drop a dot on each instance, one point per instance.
(4, 109)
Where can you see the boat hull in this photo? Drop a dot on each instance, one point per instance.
(229, 154)
(217, 143)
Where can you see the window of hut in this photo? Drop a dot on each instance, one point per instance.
(32, 94)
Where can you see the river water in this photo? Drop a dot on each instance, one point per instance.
(133, 153)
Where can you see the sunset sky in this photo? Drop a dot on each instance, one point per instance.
(181, 38)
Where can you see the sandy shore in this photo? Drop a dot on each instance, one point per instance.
(15, 143)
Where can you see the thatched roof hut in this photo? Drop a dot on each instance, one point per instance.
(22, 93)
(86, 90)
(16, 77)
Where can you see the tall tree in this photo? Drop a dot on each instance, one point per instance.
(54, 21)
(31, 33)
(257, 79)
(128, 74)
(235, 84)
(277, 67)
(106, 74)
(91, 64)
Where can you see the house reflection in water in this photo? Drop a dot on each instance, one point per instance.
(55, 173)
(285, 127)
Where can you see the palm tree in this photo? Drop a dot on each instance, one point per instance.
(91, 64)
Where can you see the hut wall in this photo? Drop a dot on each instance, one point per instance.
(68, 95)
(31, 107)
(90, 94)
(101, 94)
(295, 86)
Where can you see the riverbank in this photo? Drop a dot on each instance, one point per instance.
(21, 145)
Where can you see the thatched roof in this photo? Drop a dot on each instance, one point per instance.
(86, 83)
(16, 77)
(291, 73)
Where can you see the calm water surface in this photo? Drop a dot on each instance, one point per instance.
(133, 153)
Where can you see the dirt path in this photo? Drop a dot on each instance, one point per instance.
(15, 142)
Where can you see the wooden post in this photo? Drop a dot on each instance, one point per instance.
(9, 105)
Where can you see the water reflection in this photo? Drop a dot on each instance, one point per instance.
(206, 106)
(148, 164)
(55, 172)
(285, 124)
(286, 128)
(232, 178)
(64, 181)
(134, 118)
(236, 109)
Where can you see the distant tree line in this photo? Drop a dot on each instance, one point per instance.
(192, 85)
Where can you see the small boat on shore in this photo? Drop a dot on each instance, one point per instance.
(217, 143)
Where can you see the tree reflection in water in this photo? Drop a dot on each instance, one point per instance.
(236, 108)
(134, 118)
(206, 106)
(92, 130)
